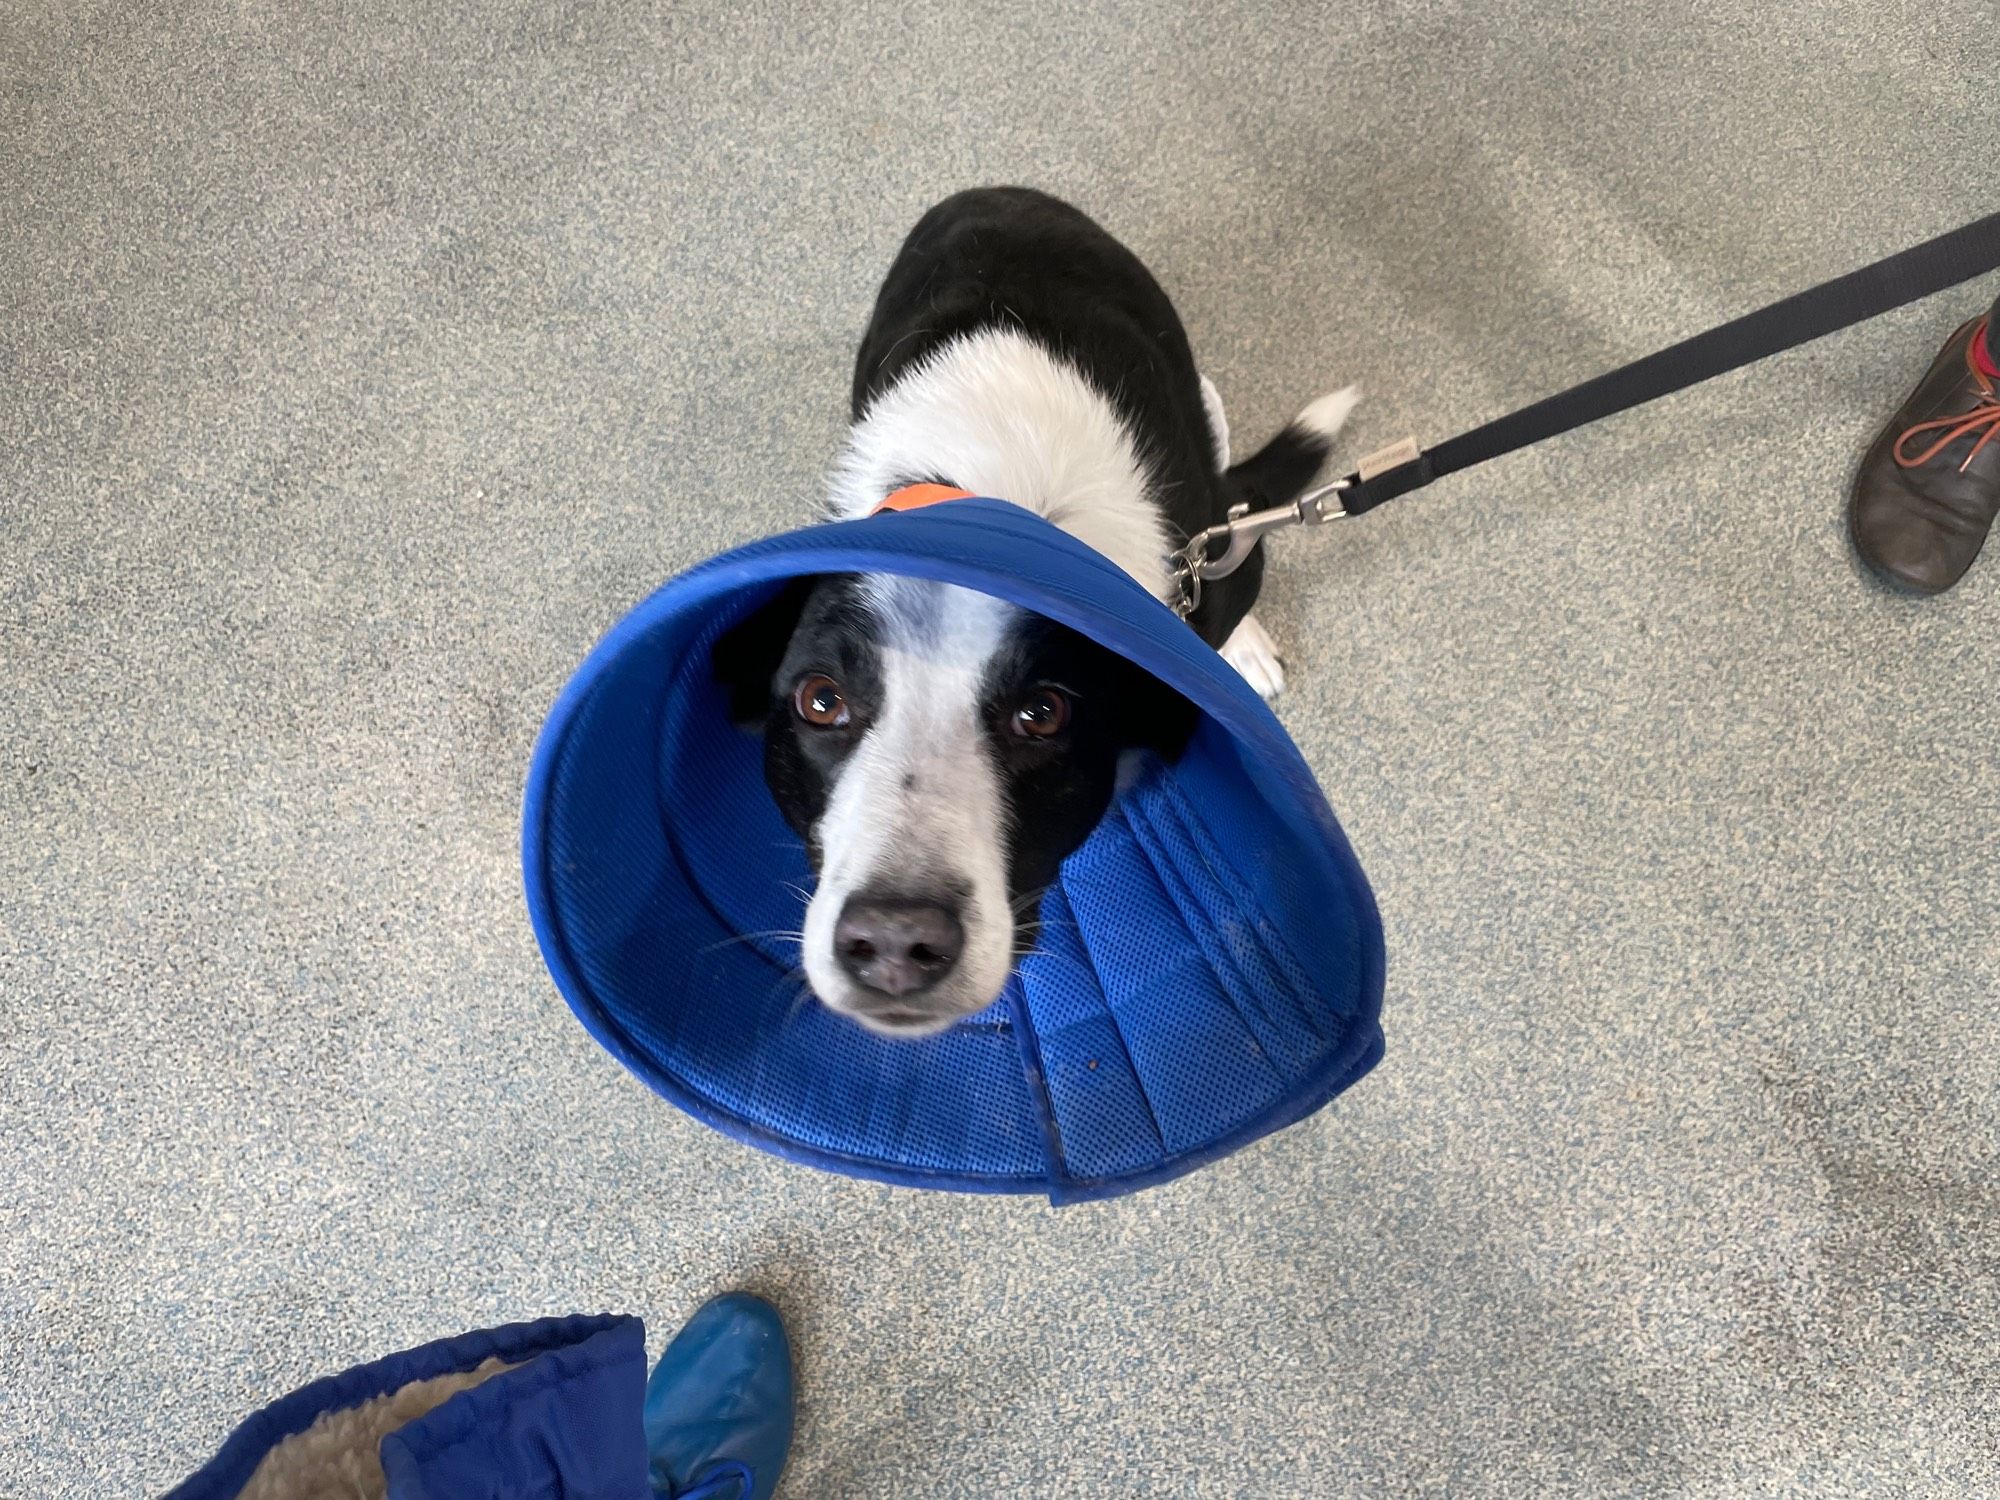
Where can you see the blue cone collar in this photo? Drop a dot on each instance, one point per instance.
(1210, 967)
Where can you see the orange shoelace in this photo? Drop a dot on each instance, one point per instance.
(1983, 418)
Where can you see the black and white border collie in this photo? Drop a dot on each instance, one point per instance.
(940, 751)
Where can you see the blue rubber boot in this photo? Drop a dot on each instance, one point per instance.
(719, 1404)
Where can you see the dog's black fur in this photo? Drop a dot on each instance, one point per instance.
(1055, 789)
(1015, 257)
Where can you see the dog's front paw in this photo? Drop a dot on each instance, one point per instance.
(1252, 652)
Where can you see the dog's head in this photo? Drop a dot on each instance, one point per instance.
(941, 753)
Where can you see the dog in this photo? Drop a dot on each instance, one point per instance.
(939, 751)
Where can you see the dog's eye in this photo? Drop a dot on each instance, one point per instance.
(817, 700)
(1042, 713)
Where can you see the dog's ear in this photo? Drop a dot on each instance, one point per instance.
(747, 655)
(1156, 717)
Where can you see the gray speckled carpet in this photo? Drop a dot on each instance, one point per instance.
(359, 365)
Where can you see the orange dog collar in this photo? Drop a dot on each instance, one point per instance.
(917, 496)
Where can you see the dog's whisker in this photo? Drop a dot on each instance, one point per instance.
(779, 933)
(798, 1004)
(1028, 898)
(1054, 924)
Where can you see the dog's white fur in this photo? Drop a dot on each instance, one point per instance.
(1218, 421)
(1330, 412)
(1254, 654)
(997, 414)
(919, 803)
(1000, 415)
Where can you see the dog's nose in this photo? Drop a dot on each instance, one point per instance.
(895, 946)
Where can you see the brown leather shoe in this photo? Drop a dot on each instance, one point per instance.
(1929, 488)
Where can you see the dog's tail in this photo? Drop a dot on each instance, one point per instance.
(1279, 471)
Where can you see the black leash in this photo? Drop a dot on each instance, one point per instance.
(1829, 307)
(1403, 467)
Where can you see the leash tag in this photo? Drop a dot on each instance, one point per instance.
(1402, 451)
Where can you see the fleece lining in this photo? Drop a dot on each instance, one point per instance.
(339, 1457)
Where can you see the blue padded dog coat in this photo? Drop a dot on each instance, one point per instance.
(1209, 968)
(564, 1421)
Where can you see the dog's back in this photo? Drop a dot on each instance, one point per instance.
(1035, 321)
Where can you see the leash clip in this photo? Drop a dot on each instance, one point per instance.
(1221, 550)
